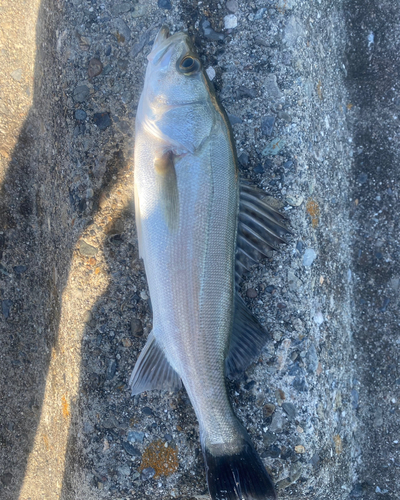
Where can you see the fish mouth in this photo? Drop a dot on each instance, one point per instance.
(162, 35)
(164, 45)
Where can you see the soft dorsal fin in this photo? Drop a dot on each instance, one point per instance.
(152, 370)
(247, 339)
(261, 229)
(168, 188)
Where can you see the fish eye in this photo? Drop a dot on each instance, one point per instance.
(189, 65)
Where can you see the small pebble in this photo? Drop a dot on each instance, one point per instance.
(283, 483)
(288, 164)
(80, 114)
(295, 201)
(210, 73)
(259, 14)
(318, 318)
(273, 451)
(269, 409)
(230, 21)
(95, 67)
(315, 460)
(164, 4)
(312, 359)
(299, 449)
(17, 75)
(271, 88)
(300, 384)
(269, 438)
(295, 369)
(362, 178)
(385, 303)
(251, 293)
(242, 92)
(110, 423)
(277, 423)
(135, 436)
(289, 409)
(20, 269)
(111, 369)
(274, 147)
(6, 478)
(309, 257)
(209, 33)
(124, 470)
(134, 452)
(296, 470)
(147, 411)
(139, 10)
(81, 93)
(121, 8)
(232, 6)
(136, 327)
(6, 306)
(102, 120)
(121, 31)
(283, 115)
(3, 270)
(250, 385)
(293, 281)
(354, 398)
(244, 159)
(147, 473)
(267, 125)
(87, 316)
(86, 249)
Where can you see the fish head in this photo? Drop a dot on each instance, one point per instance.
(175, 104)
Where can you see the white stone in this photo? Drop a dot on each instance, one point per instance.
(230, 21)
(318, 318)
(210, 73)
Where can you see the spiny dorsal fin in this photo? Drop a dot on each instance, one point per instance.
(153, 371)
(167, 184)
(247, 339)
(261, 229)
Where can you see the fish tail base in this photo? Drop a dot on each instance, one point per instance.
(238, 476)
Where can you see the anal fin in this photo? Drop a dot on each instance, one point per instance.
(247, 339)
(153, 371)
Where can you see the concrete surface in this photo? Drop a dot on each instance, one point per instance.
(312, 90)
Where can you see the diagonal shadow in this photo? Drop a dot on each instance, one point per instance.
(43, 211)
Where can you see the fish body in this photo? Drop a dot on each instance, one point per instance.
(187, 209)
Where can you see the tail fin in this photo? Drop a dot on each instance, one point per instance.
(240, 476)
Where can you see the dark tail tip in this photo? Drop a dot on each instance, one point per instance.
(241, 476)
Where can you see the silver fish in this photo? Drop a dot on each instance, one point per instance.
(198, 229)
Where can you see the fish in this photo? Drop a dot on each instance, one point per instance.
(199, 229)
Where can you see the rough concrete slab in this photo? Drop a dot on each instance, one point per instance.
(311, 88)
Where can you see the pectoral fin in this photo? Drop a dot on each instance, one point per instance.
(153, 371)
(247, 339)
(261, 229)
(167, 184)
